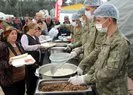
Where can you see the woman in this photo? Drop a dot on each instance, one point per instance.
(31, 45)
(12, 79)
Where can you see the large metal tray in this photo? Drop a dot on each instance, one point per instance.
(79, 92)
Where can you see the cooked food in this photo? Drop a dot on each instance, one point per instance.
(28, 60)
(45, 87)
(60, 72)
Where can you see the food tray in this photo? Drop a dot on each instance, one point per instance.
(87, 91)
(48, 45)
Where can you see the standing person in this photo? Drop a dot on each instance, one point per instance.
(12, 79)
(43, 27)
(66, 20)
(75, 27)
(64, 30)
(49, 23)
(91, 38)
(110, 69)
(37, 17)
(31, 45)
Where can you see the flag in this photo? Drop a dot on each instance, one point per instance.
(58, 8)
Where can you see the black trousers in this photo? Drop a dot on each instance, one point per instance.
(31, 79)
(17, 88)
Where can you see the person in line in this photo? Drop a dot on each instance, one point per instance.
(12, 79)
(31, 45)
(110, 69)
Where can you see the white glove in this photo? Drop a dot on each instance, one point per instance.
(77, 80)
(77, 50)
(79, 71)
(72, 55)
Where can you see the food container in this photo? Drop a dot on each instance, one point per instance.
(45, 68)
(57, 50)
(59, 57)
(61, 87)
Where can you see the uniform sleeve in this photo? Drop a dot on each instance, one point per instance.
(24, 43)
(116, 59)
(79, 43)
(68, 26)
(90, 59)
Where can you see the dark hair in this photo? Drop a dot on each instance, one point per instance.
(8, 31)
(114, 20)
(40, 21)
(39, 28)
(25, 29)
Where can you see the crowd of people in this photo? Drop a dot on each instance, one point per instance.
(101, 51)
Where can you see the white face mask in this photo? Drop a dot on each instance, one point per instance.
(82, 21)
(100, 28)
(89, 15)
(74, 24)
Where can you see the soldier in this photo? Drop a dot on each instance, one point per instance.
(90, 39)
(110, 69)
(75, 28)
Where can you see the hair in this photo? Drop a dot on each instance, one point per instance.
(25, 29)
(114, 20)
(40, 21)
(6, 32)
(31, 25)
(38, 14)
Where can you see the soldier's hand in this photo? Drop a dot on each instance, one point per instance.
(72, 55)
(77, 80)
(79, 71)
(67, 49)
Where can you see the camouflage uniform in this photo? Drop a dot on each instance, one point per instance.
(110, 69)
(76, 32)
(91, 47)
(84, 37)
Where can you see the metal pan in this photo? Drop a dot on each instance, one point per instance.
(43, 69)
(87, 91)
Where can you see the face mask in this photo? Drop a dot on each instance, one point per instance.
(74, 24)
(100, 28)
(88, 14)
(82, 21)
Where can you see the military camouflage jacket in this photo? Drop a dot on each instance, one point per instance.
(76, 33)
(110, 69)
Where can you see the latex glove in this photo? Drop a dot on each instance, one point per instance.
(77, 80)
(77, 50)
(72, 55)
(79, 71)
(67, 49)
